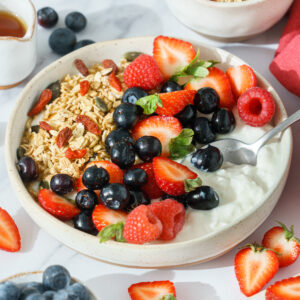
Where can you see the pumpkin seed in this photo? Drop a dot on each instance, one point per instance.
(55, 89)
(35, 128)
(130, 56)
(20, 153)
(44, 185)
(101, 105)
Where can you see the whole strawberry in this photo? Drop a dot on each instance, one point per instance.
(143, 72)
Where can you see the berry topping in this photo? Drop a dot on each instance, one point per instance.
(223, 121)
(44, 99)
(110, 64)
(171, 176)
(172, 55)
(135, 178)
(137, 197)
(203, 198)
(162, 127)
(256, 107)
(172, 216)
(79, 290)
(208, 159)
(86, 200)
(147, 147)
(143, 72)
(254, 267)
(76, 21)
(57, 206)
(115, 196)
(206, 100)
(116, 136)
(126, 115)
(28, 169)
(56, 278)
(62, 40)
(83, 43)
(241, 79)
(61, 184)
(47, 17)
(217, 80)
(94, 178)
(75, 154)
(150, 188)
(84, 222)
(9, 290)
(170, 86)
(123, 155)
(10, 239)
(142, 226)
(84, 87)
(133, 94)
(114, 82)
(203, 131)
(187, 115)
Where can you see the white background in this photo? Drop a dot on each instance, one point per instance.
(110, 19)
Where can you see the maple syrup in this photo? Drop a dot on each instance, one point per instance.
(11, 25)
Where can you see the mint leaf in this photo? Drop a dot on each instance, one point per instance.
(191, 184)
(112, 231)
(149, 103)
(168, 297)
(181, 145)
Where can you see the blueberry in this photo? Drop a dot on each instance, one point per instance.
(47, 17)
(26, 291)
(181, 199)
(126, 115)
(116, 136)
(86, 200)
(75, 21)
(84, 222)
(147, 147)
(135, 178)
(131, 95)
(79, 290)
(56, 278)
(83, 43)
(187, 115)
(95, 178)
(8, 291)
(115, 196)
(65, 295)
(35, 296)
(36, 285)
(223, 121)
(170, 86)
(206, 100)
(49, 295)
(137, 197)
(62, 40)
(123, 155)
(203, 198)
(28, 169)
(61, 184)
(207, 159)
(203, 131)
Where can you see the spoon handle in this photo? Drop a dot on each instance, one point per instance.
(280, 127)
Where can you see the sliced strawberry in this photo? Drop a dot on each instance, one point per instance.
(103, 216)
(286, 289)
(172, 55)
(154, 290)
(282, 241)
(241, 79)
(170, 175)
(217, 80)
(175, 102)
(10, 239)
(150, 188)
(254, 267)
(163, 127)
(57, 206)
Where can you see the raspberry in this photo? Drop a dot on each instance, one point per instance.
(143, 72)
(172, 216)
(256, 107)
(142, 226)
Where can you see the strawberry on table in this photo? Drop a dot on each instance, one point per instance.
(286, 289)
(162, 127)
(241, 79)
(172, 55)
(254, 267)
(217, 80)
(155, 290)
(57, 206)
(10, 239)
(282, 241)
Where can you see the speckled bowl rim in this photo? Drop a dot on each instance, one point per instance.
(230, 5)
(24, 195)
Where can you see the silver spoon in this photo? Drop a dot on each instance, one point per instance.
(240, 153)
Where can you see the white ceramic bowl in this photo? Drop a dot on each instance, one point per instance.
(158, 255)
(229, 21)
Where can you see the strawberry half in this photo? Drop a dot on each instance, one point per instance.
(154, 290)
(103, 216)
(175, 102)
(254, 267)
(282, 240)
(57, 206)
(286, 289)
(172, 55)
(10, 239)
(163, 127)
(217, 80)
(170, 175)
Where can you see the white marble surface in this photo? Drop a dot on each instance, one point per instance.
(215, 280)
